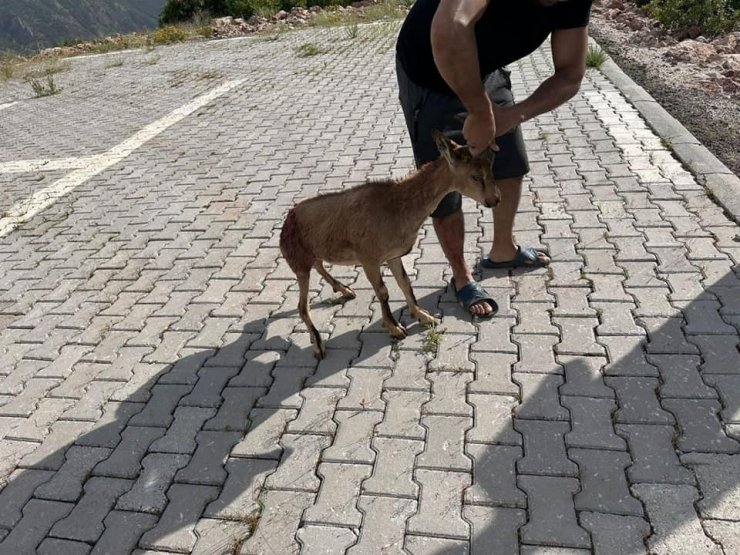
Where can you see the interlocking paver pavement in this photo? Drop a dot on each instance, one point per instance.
(157, 389)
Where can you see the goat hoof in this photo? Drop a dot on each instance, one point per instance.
(426, 319)
(348, 294)
(319, 351)
(397, 331)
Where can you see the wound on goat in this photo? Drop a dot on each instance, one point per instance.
(299, 258)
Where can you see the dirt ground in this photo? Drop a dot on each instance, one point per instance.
(713, 118)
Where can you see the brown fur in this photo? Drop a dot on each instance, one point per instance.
(374, 223)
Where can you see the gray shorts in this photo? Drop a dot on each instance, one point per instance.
(426, 111)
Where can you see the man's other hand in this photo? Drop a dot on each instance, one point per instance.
(479, 131)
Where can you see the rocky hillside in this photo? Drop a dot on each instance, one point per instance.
(31, 24)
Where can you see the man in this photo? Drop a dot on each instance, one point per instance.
(451, 58)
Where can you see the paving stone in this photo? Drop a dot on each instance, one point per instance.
(180, 437)
(278, 525)
(544, 448)
(717, 481)
(160, 406)
(577, 337)
(681, 378)
(638, 401)
(297, 468)
(495, 337)
(426, 545)
(122, 532)
(242, 488)
(24, 403)
(285, 390)
(719, 354)
(700, 426)
(543, 550)
(16, 493)
(106, 432)
(332, 370)
(493, 529)
(315, 416)
(493, 420)
(552, 517)
(36, 426)
(375, 352)
(125, 460)
(50, 455)
(206, 465)
(537, 354)
(729, 392)
(316, 540)
(257, 369)
(365, 389)
(727, 534)
(403, 414)
(66, 485)
(572, 302)
(676, 528)
(38, 518)
(665, 336)
(444, 443)
(583, 377)
(219, 537)
(703, 318)
(392, 474)
(383, 524)
(540, 398)
(616, 535)
(52, 546)
(654, 456)
(592, 424)
(448, 394)
(338, 495)
(494, 476)
(493, 374)
(626, 357)
(440, 504)
(262, 439)
(604, 485)
(85, 522)
(352, 440)
(175, 529)
(534, 318)
(148, 493)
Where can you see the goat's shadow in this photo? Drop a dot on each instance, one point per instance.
(187, 417)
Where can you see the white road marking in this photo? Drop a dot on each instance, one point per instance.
(50, 164)
(7, 105)
(26, 209)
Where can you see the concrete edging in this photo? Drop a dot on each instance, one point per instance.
(706, 167)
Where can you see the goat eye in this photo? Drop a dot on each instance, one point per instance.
(478, 178)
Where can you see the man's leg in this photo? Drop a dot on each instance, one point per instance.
(504, 247)
(450, 231)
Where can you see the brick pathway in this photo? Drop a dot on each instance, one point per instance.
(156, 389)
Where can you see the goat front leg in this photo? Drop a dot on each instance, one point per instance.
(303, 309)
(372, 271)
(402, 278)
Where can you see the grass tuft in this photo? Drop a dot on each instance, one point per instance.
(595, 57)
(308, 49)
(41, 88)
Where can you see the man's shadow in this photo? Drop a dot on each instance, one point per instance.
(156, 457)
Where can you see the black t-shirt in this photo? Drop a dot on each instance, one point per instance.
(508, 31)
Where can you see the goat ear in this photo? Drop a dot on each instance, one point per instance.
(445, 147)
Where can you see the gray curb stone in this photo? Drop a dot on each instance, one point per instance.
(708, 170)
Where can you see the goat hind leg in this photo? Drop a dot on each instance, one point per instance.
(402, 278)
(319, 350)
(338, 287)
(372, 271)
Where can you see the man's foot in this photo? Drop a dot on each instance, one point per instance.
(475, 299)
(530, 258)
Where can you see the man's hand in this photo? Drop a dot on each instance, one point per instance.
(479, 131)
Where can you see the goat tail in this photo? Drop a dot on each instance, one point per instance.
(299, 258)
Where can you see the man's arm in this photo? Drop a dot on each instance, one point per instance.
(456, 56)
(569, 48)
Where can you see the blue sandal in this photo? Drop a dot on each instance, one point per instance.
(472, 294)
(524, 257)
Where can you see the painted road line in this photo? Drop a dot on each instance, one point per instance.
(26, 209)
(7, 105)
(46, 164)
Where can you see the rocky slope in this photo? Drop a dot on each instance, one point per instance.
(27, 25)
